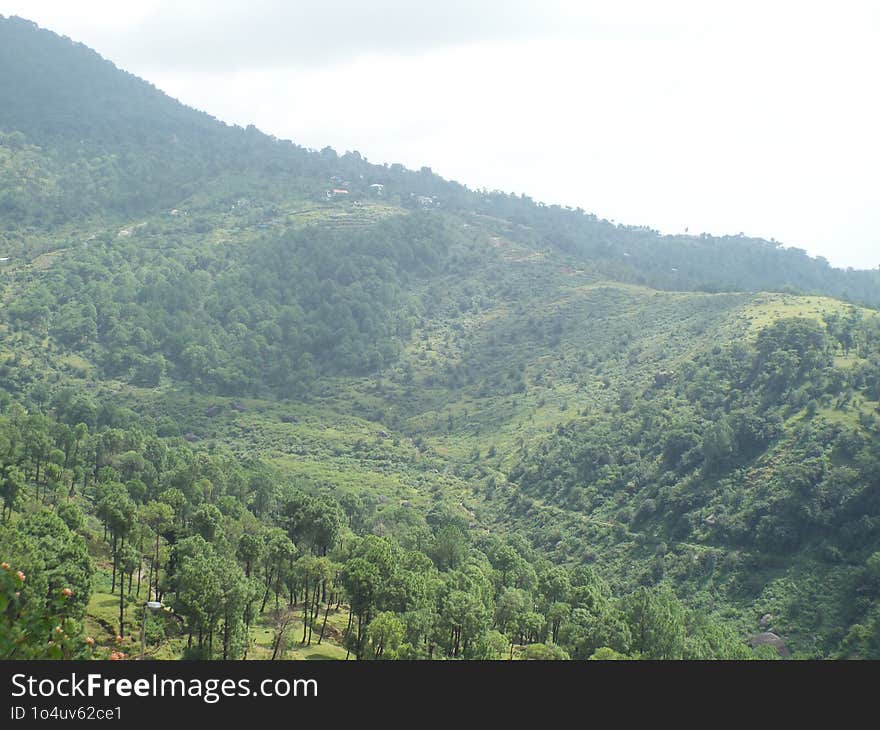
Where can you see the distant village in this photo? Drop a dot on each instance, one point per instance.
(342, 190)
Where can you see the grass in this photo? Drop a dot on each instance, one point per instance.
(101, 622)
(766, 308)
(262, 638)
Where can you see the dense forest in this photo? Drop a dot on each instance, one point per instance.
(226, 544)
(407, 421)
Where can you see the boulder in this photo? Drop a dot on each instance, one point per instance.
(768, 638)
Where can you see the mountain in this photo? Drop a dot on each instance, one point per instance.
(485, 425)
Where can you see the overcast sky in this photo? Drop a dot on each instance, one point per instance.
(759, 117)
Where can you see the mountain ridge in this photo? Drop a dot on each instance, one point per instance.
(127, 103)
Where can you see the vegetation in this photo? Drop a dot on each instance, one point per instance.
(175, 526)
(409, 422)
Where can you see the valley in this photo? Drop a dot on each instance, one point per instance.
(412, 420)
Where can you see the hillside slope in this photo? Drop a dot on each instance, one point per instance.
(118, 144)
(494, 387)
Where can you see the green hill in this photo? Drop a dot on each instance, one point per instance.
(419, 420)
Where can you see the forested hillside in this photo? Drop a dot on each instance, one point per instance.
(407, 420)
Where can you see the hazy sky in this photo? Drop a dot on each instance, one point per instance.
(761, 117)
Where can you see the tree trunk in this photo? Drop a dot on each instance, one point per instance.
(121, 608)
(268, 588)
(247, 630)
(314, 617)
(306, 611)
(347, 636)
(156, 592)
(324, 625)
(113, 581)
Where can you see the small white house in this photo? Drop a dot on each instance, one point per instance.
(377, 188)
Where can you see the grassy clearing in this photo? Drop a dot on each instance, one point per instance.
(766, 308)
(101, 622)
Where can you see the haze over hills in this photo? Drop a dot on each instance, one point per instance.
(88, 106)
(482, 421)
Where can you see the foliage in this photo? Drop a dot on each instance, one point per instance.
(443, 423)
